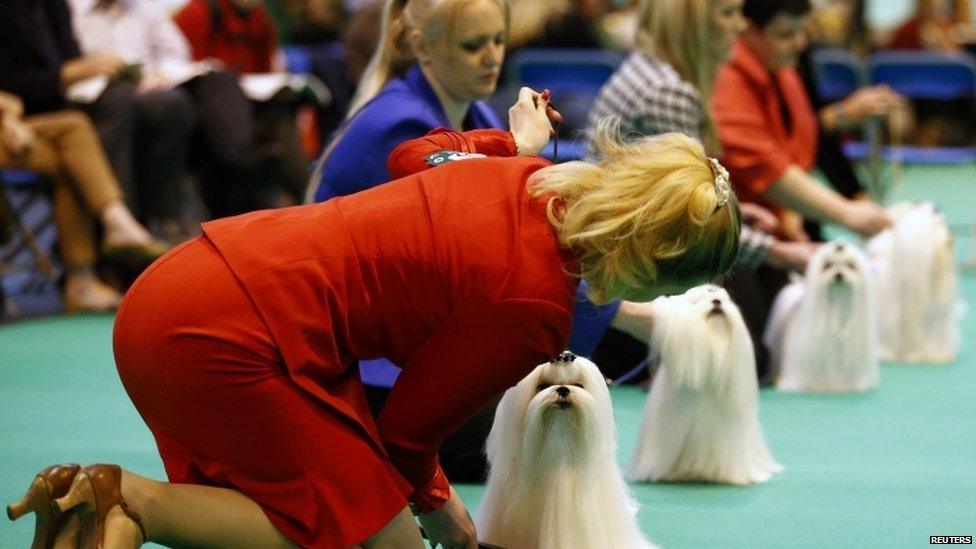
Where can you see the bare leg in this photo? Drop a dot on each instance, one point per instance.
(206, 516)
(198, 516)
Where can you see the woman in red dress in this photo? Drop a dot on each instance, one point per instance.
(236, 348)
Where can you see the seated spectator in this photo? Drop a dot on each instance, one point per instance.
(159, 119)
(768, 128)
(40, 62)
(931, 28)
(241, 36)
(167, 87)
(665, 86)
(64, 147)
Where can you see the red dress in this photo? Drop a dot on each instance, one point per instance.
(237, 348)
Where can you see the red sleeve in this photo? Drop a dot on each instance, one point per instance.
(471, 359)
(415, 155)
(754, 157)
(194, 21)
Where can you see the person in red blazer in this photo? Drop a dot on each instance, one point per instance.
(768, 128)
(240, 33)
(237, 348)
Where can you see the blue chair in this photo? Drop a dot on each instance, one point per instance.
(914, 155)
(941, 76)
(838, 73)
(925, 74)
(574, 76)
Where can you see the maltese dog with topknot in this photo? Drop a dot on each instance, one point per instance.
(918, 288)
(822, 330)
(554, 482)
(701, 420)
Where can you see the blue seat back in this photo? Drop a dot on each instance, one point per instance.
(564, 71)
(925, 74)
(838, 73)
(574, 76)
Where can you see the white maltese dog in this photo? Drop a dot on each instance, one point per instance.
(918, 288)
(822, 332)
(554, 482)
(701, 420)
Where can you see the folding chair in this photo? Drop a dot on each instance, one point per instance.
(28, 274)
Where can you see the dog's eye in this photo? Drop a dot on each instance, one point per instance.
(542, 387)
(580, 385)
(851, 265)
(828, 265)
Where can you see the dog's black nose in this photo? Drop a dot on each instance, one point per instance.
(716, 302)
(562, 391)
(838, 277)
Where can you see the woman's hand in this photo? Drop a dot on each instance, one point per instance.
(102, 64)
(17, 137)
(759, 218)
(791, 226)
(528, 120)
(450, 526)
(874, 101)
(865, 218)
(791, 256)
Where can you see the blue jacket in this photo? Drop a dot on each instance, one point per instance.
(405, 109)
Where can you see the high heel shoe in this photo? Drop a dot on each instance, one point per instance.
(48, 485)
(95, 491)
(134, 256)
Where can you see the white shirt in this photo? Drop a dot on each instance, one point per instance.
(137, 31)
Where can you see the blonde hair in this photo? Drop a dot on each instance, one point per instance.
(680, 32)
(649, 210)
(529, 18)
(393, 55)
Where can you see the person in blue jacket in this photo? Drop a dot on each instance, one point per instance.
(434, 64)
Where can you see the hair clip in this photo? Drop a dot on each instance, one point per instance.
(565, 356)
(723, 184)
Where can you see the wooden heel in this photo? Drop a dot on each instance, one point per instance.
(35, 499)
(96, 490)
(50, 483)
(81, 491)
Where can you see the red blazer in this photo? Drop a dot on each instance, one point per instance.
(467, 291)
(244, 41)
(748, 110)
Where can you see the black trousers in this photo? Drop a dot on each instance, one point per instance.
(223, 143)
(146, 137)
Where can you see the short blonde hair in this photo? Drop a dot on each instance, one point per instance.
(648, 211)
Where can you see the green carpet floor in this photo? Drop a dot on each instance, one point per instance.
(886, 469)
